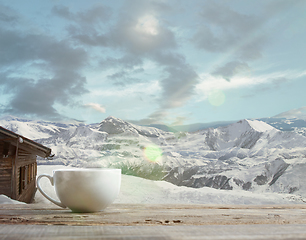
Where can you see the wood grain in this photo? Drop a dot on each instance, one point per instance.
(145, 214)
(141, 221)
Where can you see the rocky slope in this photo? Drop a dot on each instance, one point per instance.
(247, 155)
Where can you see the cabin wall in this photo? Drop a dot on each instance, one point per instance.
(5, 176)
(18, 166)
(22, 187)
(6, 169)
(26, 176)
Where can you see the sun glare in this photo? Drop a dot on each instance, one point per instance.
(216, 98)
(153, 153)
(147, 25)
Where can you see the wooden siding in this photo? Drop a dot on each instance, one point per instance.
(23, 186)
(5, 181)
(25, 158)
(27, 195)
(6, 163)
(5, 169)
(18, 166)
(26, 184)
(6, 149)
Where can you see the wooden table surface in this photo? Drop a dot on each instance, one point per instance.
(149, 221)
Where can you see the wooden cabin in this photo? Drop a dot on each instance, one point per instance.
(18, 165)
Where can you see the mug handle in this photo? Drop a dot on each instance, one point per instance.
(44, 194)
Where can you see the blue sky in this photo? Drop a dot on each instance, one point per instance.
(153, 61)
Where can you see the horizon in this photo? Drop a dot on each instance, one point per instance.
(126, 120)
(153, 62)
(71, 121)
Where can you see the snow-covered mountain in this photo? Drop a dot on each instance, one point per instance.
(35, 129)
(247, 155)
(284, 124)
(287, 124)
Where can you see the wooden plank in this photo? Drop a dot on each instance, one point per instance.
(14, 179)
(6, 172)
(165, 215)
(221, 232)
(5, 184)
(5, 181)
(27, 144)
(5, 163)
(5, 191)
(142, 221)
(25, 158)
(27, 195)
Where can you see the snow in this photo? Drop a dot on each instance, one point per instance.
(139, 190)
(6, 200)
(260, 164)
(260, 126)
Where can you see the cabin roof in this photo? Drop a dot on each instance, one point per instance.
(24, 143)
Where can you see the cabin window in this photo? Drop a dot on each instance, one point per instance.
(6, 147)
(22, 173)
(31, 172)
(26, 176)
(35, 170)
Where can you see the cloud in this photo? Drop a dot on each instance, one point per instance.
(231, 69)
(126, 62)
(157, 117)
(38, 97)
(162, 117)
(95, 106)
(223, 29)
(178, 86)
(8, 15)
(87, 26)
(123, 78)
(179, 121)
(210, 83)
(122, 44)
(141, 34)
(93, 15)
(139, 29)
(179, 81)
(277, 6)
(293, 113)
(39, 71)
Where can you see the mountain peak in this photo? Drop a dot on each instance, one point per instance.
(13, 118)
(113, 125)
(258, 126)
(112, 119)
(242, 134)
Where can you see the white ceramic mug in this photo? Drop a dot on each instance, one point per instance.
(84, 190)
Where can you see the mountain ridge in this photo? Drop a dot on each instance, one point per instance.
(247, 155)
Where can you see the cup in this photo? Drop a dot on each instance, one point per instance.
(84, 190)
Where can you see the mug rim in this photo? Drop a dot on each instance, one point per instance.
(86, 169)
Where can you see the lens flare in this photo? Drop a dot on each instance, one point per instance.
(148, 25)
(216, 98)
(153, 153)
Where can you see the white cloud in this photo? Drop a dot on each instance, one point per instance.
(294, 113)
(96, 107)
(146, 89)
(210, 83)
(147, 24)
